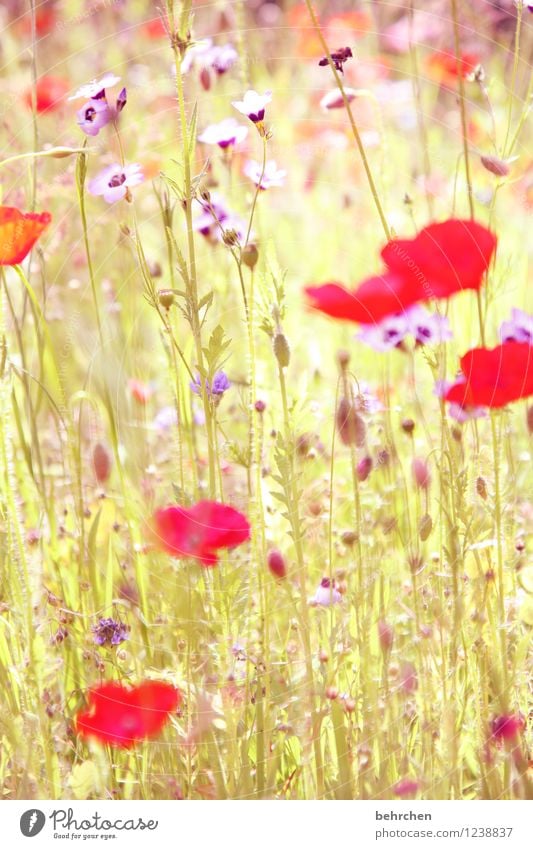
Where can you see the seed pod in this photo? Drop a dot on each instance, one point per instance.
(408, 426)
(349, 538)
(276, 563)
(282, 351)
(166, 298)
(481, 488)
(425, 526)
(250, 256)
(351, 427)
(101, 463)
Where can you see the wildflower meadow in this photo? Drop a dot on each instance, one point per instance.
(266, 400)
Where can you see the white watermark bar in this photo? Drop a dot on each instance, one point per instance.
(262, 824)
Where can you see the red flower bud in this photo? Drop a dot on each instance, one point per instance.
(101, 463)
(421, 473)
(276, 563)
(364, 467)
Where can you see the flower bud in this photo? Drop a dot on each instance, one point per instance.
(349, 538)
(529, 419)
(421, 473)
(495, 165)
(276, 563)
(408, 426)
(385, 635)
(350, 425)
(250, 256)
(425, 527)
(282, 351)
(260, 406)
(364, 467)
(332, 693)
(230, 238)
(101, 463)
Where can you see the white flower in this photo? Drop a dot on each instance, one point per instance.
(253, 105)
(94, 88)
(272, 177)
(225, 133)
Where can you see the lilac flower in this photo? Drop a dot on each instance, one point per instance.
(96, 88)
(209, 57)
(165, 419)
(110, 632)
(225, 134)
(253, 105)
(326, 594)
(426, 329)
(216, 218)
(94, 115)
(272, 177)
(223, 58)
(115, 180)
(220, 384)
(518, 329)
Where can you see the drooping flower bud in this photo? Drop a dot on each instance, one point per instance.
(425, 527)
(250, 256)
(166, 298)
(385, 635)
(351, 427)
(495, 165)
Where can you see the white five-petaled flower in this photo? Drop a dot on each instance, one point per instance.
(271, 178)
(95, 87)
(253, 105)
(224, 134)
(115, 180)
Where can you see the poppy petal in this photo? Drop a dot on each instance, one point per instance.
(18, 233)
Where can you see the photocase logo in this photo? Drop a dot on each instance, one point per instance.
(32, 822)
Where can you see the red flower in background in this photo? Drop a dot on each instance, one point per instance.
(199, 531)
(494, 377)
(49, 92)
(444, 66)
(442, 259)
(121, 716)
(18, 233)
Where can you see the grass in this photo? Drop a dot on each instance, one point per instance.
(281, 699)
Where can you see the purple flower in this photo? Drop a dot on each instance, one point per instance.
(165, 419)
(326, 594)
(272, 177)
(94, 115)
(220, 384)
(110, 632)
(95, 90)
(426, 329)
(518, 329)
(115, 180)
(253, 105)
(225, 134)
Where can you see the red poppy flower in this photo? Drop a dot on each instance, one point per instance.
(494, 377)
(49, 92)
(154, 28)
(121, 716)
(442, 259)
(45, 20)
(199, 531)
(444, 67)
(18, 233)
(140, 391)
